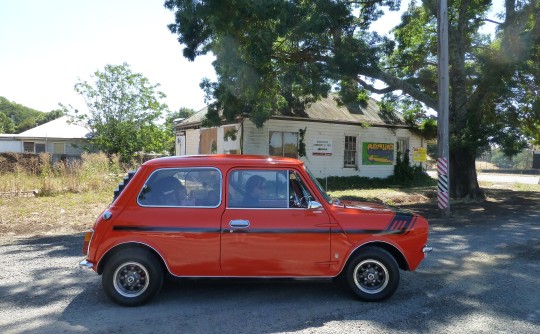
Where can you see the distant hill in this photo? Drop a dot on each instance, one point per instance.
(16, 118)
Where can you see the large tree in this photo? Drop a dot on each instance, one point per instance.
(282, 54)
(123, 112)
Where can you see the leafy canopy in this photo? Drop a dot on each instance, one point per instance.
(123, 112)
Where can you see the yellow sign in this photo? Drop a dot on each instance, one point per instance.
(419, 154)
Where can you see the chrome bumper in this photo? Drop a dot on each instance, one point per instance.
(85, 264)
(427, 249)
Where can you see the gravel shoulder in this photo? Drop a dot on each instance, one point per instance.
(482, 277)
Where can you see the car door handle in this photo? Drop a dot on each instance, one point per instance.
(239, 223)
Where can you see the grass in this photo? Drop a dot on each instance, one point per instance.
(69, 212)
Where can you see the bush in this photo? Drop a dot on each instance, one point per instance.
(404, 176)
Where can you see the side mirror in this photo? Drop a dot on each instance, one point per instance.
(314, 205)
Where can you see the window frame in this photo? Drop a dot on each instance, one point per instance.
(270, 132)
(353, 153)
(402, 146)
(183, 206)
(63, 147)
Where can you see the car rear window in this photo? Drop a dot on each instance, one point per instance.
(182, 187)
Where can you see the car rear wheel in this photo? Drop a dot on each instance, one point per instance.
(372, 274)
(132, 277)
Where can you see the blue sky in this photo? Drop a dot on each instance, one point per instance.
(46, 45)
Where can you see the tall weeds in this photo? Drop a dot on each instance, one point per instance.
(93, 172)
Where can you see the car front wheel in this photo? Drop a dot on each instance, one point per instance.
(372, 274)
(132, 277)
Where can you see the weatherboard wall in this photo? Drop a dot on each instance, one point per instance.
(256, 141)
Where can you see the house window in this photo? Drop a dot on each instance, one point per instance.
(59, 148)
(283, 144)
(40, 148)
(350, 151)
(28, 146)
(402, 146)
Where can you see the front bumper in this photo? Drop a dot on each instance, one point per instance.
(86, 264)
(427, 249)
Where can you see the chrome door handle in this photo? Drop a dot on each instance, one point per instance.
(239, 223)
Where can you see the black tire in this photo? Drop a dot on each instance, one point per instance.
(372, 274)
(132, 277)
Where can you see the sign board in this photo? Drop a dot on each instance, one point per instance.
(322, 147)
(377, 153)
(419, 154)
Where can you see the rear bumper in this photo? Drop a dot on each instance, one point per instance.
(86, 264)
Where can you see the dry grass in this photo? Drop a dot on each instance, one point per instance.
(64, 213)
(94, 172)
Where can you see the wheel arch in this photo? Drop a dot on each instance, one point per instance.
(390, 248)
(130, 245)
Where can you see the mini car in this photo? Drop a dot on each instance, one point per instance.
(245, 216)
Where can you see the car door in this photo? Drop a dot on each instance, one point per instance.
(272, 234)
(178, 213)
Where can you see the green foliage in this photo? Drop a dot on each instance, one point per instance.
(6, 124)
(123, 112)
(16, 118)
(302, 142)
(357, 182)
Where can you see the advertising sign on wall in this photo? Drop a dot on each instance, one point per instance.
(377, 153)
(322, 146)
(419, 154)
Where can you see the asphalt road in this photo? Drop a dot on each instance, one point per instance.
(483, 277)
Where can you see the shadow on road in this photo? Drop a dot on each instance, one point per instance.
(483, 275)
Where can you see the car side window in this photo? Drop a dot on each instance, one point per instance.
(258, 189)
(182, 187)
(299, 194)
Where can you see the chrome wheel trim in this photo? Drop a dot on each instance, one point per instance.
(131, 279)
(371, 276)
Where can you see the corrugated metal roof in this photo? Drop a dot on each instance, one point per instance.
(328, 110)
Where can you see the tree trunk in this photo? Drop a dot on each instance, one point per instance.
(463, 178)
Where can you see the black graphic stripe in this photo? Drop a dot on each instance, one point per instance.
(165, 229)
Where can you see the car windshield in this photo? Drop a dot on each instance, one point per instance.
(326, 197)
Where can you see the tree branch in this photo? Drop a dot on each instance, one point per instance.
(398, 84)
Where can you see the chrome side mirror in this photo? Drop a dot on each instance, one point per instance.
(314, 205)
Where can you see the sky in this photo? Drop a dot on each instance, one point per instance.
(46, 46)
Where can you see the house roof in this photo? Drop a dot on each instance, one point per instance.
(60, 128)
(327, 110)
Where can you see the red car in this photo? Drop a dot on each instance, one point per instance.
(245, 216)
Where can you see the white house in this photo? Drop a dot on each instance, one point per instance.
(59, 137)
(339, 140)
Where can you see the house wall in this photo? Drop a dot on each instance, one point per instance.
(256, 141)
(10, 145)
(193, 137)
(17, 145)
(192, 141)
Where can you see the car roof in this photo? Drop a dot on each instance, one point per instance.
(215, 160)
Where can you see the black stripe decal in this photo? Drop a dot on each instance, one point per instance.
(165, 229)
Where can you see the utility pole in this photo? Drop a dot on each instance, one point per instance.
(443, 162)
